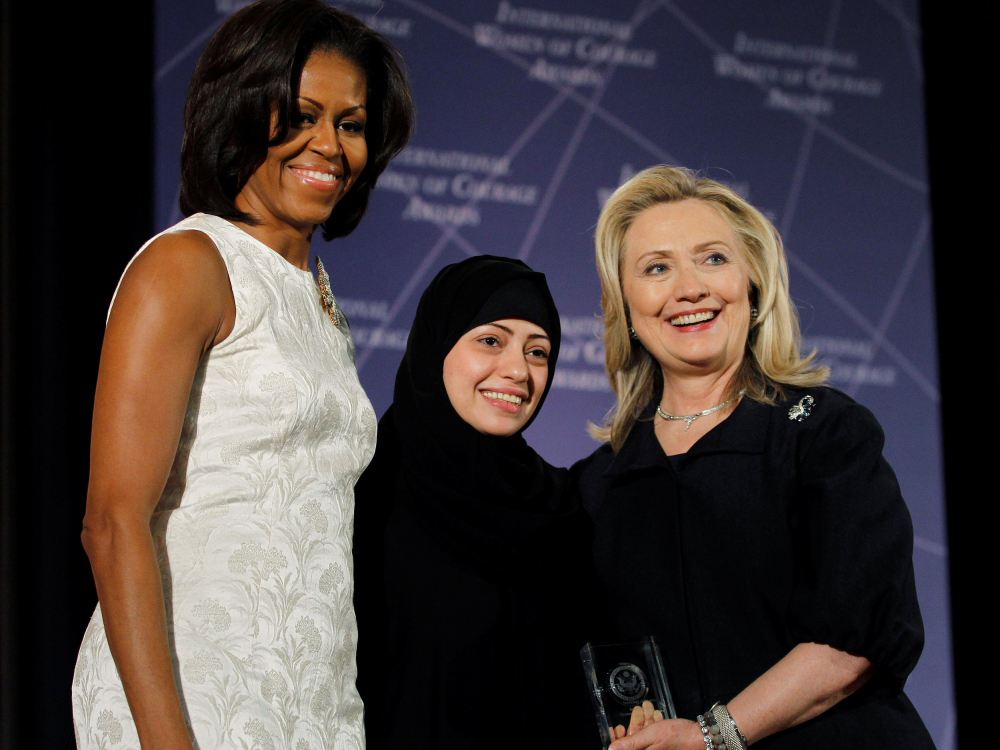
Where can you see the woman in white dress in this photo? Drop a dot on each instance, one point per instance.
(229, 423)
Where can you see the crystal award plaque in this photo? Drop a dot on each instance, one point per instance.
(620, 676)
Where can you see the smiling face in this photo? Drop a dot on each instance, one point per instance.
(305, 175)
(686, 287)
(496, 373)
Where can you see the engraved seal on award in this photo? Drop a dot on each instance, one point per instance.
(627, 683)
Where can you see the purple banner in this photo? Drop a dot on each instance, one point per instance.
(531, 112)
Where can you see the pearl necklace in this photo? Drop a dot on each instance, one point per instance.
(689, 418)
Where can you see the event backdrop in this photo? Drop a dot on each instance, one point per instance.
(530, 112)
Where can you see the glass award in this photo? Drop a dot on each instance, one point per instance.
(620, 676)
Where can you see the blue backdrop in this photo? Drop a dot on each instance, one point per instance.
(530, 112)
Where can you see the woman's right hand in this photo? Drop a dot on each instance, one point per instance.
(173, 304)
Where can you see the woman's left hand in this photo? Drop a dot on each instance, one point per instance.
(643, 715)
(667, 734)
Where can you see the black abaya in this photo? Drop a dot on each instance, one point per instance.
(469, 551)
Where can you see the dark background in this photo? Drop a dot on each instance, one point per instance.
(76, 145)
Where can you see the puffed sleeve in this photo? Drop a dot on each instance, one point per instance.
(855, 590)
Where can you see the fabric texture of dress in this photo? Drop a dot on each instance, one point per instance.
(468, 547)
(253, 530)
(782, 525)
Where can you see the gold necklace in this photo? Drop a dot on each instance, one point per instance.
(326, 299)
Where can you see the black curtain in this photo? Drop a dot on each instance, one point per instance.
(961, 89)
(75, 203)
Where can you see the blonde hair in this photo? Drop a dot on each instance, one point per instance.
(771, 359)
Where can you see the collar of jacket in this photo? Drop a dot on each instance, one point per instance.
(743, 431)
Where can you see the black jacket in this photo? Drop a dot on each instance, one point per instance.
(771, 531)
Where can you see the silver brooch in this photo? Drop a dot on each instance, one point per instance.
(802, 409)
(326, 296)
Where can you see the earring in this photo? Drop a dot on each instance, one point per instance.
(753, 313)
(632, 334)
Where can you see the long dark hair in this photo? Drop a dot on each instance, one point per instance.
(249, 73)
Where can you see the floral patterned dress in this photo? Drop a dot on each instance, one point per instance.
(253, 531)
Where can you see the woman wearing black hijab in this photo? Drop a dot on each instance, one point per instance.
(468, 546)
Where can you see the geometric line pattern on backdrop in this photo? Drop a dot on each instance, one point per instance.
(824, 129)
(448, 232)
(911, 33)
(592, 107)
(601, 113)
(542, 213)
(917, 248)
(795, 191)
(909, 28)
(642, 12)
(796, 262)
(805, 150)
(896, 10)
(813, 124)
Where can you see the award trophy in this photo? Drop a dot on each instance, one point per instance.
(620, 676)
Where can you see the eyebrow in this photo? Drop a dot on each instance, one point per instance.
(696, 248)
(660, 252)
(507, 330)
(320, 106)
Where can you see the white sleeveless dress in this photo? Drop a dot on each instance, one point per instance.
(254, 529)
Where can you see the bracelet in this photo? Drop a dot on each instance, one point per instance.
(733, 737)
(704, 736)
(719, 730)
(711, 732)
(709, 745)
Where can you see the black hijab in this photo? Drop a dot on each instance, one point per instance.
(480, 492)
(507, 520)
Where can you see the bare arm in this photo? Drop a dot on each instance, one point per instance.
(810, 679)
(807, 681)
(174, 303)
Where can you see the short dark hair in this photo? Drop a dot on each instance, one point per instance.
(250, 71)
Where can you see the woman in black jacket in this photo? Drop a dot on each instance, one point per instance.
(744, 514)
(467, 543)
